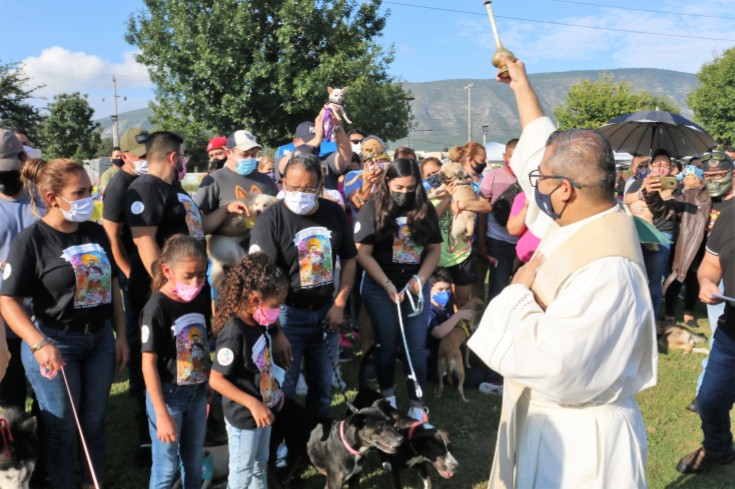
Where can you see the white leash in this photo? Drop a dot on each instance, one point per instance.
(76, 418)
(417, 307)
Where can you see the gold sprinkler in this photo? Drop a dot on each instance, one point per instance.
(499, 48)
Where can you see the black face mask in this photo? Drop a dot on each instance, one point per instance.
(403, 199)
(118, 162)
(480, 167)
(10, 183)
(217, 163)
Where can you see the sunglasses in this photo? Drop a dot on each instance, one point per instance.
(355, 141)
(714, 156)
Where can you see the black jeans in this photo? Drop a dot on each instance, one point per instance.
(505, 254)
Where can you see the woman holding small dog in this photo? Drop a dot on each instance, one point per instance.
(399, 244)
(243, 366)
(65, 265)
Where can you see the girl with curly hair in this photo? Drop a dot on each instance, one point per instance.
(243, 367)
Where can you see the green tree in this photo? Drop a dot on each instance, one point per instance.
(590, 104)
(15, 109)
(713, 102)
(68, 130)
(265, 65)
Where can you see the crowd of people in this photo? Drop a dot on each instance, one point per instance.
(356, 236)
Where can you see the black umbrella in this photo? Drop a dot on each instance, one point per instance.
(642, 132)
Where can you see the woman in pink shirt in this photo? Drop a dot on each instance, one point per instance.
(527, 242)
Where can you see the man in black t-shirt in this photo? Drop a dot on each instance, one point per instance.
(304, 235)
(132, 163)
(717, 394)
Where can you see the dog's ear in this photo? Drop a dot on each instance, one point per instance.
(330, 90)
(29, 425)
(344, 90)
(359, 419)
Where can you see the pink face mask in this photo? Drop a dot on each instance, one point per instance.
(187, 292)
(266, 316)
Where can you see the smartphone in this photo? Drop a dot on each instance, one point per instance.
(669, 183)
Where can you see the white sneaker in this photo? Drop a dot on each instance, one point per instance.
(301, 387)
(281, 454)
(491, 389)
(419, 413)
(392, 401)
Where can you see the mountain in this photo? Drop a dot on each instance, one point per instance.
(440, 107)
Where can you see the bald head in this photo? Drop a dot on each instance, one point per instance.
(585, 157)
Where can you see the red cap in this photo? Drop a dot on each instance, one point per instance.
(216, 143)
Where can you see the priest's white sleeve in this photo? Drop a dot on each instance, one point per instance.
(594, 343)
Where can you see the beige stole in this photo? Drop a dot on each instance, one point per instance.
(613, 235)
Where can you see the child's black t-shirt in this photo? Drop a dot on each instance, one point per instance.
(244, 358)
(177, 333)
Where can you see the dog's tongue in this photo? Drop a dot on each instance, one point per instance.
(445, 474)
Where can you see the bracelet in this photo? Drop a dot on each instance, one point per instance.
(387, 283)
(40, 345)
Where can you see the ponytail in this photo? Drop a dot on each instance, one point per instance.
(41, 176)
(455, 154)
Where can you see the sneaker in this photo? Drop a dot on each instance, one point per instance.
(301, 387)
(491, 389)
(392, 401)
(699, 462)
(693, 406)
(281, 454)
(419, 413)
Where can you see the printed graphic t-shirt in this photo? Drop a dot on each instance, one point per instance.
(68, 275)
(398, 256)
(177, 333)
(306, 248)
(244, 357)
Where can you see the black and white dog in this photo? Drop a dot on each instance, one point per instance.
(20, 448)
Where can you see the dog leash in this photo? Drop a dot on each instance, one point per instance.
(417, 307)
(335, 366)
(7, 435)
(51, 375)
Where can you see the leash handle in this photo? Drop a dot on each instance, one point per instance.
(81, 434)
(418, 305)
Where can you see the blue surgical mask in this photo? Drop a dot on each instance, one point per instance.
(543, 201)
(246, 166)
(441, 298)
(641, 174)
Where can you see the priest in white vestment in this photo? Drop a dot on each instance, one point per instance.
(574, 334)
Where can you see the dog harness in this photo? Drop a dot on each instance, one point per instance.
(352, 451)
(411, 431)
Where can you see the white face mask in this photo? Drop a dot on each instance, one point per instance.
(140, 167)
(79, 211)
(300, 202)
(356, 148)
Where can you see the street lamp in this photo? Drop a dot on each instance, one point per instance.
(484, 133)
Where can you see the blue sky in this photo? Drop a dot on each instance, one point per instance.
(77, 45)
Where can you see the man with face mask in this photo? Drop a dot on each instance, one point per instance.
(304, 235)
(696, 210)
(110, 172)
(216, 149)
(574, 334)
(15, 215)
(238, 178)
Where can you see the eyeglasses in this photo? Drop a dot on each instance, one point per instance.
(535, 176)
(306, 190)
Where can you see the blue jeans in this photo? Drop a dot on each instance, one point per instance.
(305, 332)
(384, 318)
(713, 314)
(657, 263)
(717, 394)
(90, 365)
(187, 405)
(248, 457)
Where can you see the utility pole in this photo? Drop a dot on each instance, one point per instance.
(484, 134)
(115, 129)
(408, 104)
(469, 111)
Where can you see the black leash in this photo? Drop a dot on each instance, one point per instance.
(346, 327)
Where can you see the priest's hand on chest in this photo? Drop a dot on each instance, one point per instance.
(527, 273)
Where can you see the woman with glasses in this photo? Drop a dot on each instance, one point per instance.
(399, 245)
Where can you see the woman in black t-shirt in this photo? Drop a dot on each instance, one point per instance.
(399, 244)
(64, 264)
(243, 365)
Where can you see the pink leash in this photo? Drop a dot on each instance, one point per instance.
(7, 435)
(76, 418)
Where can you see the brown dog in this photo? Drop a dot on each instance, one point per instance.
(679, 338)
(449, 357)
(464, 221)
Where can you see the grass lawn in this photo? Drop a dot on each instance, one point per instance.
(672, 432)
